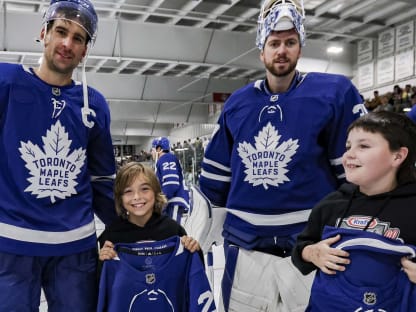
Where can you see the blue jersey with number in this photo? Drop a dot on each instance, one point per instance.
(155, 276)
(169, 173)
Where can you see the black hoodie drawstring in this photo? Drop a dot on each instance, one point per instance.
(378, 213)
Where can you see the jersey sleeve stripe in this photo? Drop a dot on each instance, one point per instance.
(216, 177)
(216, 164)
(103, 178)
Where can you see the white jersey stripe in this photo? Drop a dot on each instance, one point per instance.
(272, 220)
(216, 164)
(215, 177)
(35, 236)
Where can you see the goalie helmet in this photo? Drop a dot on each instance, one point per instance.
(279, 15)
(163, 142)
(81, 12)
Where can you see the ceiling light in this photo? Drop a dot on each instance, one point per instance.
(334, 49)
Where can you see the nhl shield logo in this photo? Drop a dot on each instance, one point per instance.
(370, 298)
(56, 91)
(150, 278)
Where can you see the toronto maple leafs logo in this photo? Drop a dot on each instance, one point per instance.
(266, 162)
(54, 169)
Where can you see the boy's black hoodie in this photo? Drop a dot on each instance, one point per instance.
(391, 214)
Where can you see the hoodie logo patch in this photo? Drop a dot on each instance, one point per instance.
(377, 226)
(53, 169)
(266, 161)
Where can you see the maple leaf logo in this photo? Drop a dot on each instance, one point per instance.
(266, 162)
(54, 169)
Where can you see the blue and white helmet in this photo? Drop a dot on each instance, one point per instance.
(279, 15)
(163, 142)
(81, 12)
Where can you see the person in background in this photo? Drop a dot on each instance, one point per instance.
(412, 113)
(56, 171)
(275, 153)
(375, 102)
(169, 172)
(375, 209)
(384, 104)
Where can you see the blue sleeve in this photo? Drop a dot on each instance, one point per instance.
(201, 296)
(101, 165)
(412, 113)
(348, 108)
(215, 178)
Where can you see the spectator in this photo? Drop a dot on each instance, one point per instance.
(384, 105)
(375, 102)
(412, 113)
(397, 99)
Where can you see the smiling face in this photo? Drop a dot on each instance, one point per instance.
(65, 46)
(369, 163)
(281, 52)
(138, 199)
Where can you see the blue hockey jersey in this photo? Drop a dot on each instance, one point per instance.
(373, 281)
(154, 276)
(274, 156)
(169, 173)
(53, 170)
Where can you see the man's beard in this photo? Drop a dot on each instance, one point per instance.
(281, 72)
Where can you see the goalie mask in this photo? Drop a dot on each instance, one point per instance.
(279, 15)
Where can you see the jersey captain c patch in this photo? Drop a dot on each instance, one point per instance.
(54, 168)
(266, 162)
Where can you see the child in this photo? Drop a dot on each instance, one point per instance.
(146, 267)
(372, 218)
(139, 202)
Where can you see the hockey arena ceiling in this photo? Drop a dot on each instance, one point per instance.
(160, 62)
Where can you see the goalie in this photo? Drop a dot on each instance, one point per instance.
(275, 154)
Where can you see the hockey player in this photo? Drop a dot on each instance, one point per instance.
(356, 236)
(57, 169)
(169, 173)
(275, 154)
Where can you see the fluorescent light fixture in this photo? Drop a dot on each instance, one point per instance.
(407, 109)
(334, 49)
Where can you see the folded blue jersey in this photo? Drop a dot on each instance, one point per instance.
(372, 281)
(154, 276)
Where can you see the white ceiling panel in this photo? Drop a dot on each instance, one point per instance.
(159, 61)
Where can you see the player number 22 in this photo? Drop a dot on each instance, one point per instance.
(169, 166)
